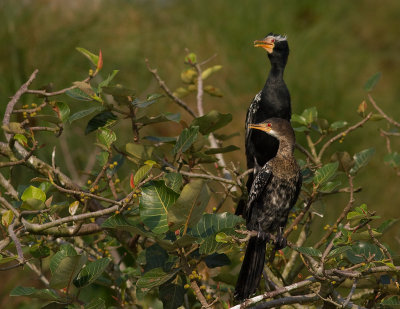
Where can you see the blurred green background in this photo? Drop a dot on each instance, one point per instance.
(335, 47)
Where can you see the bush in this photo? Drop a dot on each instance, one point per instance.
(145, 224)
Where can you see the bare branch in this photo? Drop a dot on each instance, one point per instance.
(14, 100)
(340, 135)
(33, 227)
(7, 205)
(8, 187)
(16, 241)
(168, 91)
(380, 111)
(341, 216)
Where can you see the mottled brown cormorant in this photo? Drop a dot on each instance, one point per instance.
(272, 101)
(272, 195)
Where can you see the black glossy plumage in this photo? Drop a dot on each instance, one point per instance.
(272, 101)
(273, 193)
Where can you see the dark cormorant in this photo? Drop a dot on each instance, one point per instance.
(273, 193)
(272, 101)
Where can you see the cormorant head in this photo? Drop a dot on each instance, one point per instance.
(275, 44)
(276, 127)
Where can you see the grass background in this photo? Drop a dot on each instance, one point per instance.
(335, 47)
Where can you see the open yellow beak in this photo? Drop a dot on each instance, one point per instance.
(266, 44)
(261, 126)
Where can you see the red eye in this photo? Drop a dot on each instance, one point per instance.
(268, 124)
(272, 40)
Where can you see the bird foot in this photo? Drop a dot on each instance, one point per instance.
(280, 242)
(264, 236)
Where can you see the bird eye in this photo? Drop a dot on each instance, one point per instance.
(268, 124)
(272, 40)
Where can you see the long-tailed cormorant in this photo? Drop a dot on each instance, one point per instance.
(272, 101)
(273, 193)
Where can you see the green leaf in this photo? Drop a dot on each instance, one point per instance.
(107, 81)
(33, 193)
(33, 198)
(106, 137)
(21, 139)
(91, 272)
(100, 120)
(189, 76)
(372, 81)
(43, 294)
(64, 266)
(63, 111)
(360, 252)
(84, 113)
(171, 295)
(310, 115)
(145, 120)
(141, 173)
(301, 129)
(325, 173)
(211, 224)
(221, 149)
(390, 302)
(7, 218)
(173, 181)
(211, 122)
(153, 278)
(337, 125)
(92, 57)
(154, 206)
(96, 303)
(209, 71)
(190, 205)
(186, 139)
(392, 159)
(86, 88)
(8, 259)
(299, 119)
(309, 251)
(361, 159)
(78, 94)
(139, 151)
(338, 251)
(210, 245)
(329, 186)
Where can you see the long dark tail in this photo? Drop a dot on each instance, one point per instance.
(252, 267)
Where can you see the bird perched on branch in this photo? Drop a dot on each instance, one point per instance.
(274, 192)
(272, 101)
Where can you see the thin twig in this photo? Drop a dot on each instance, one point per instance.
(27, 156)
(380, 111)
(376, 241)
(168, 91)
(33, 227)
(341, 134)
(275, 293)
(7, 205)
(341, 216)
(16, 241)
(10, 190)
(14, 100)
